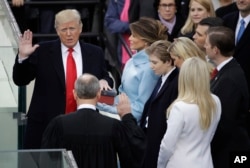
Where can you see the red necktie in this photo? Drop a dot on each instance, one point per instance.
(70, 80)
(214, 73)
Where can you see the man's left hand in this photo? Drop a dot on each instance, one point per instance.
(104, 85)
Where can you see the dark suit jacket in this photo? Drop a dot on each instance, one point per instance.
(177, 27)
(231, 135)
(95, 139)
(224, 10)
(45, 65)
(241, 53)
(155, 108)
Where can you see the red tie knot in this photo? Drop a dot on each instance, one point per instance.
(70, 50)
(214, 73)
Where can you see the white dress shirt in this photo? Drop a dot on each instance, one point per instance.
(77, 55)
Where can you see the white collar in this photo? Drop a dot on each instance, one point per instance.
(223, 63)
(76, 48)
(84, 106)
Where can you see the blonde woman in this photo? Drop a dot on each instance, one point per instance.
(198, 10)
(183, 48)
(192, 120)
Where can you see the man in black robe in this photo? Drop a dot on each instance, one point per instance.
(94, 139)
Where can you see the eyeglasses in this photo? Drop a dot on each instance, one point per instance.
(165, 6)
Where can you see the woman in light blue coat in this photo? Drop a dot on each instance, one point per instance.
(138, 79)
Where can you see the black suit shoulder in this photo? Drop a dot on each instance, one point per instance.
(94, 62)
(232, 73)
(91, 47)
(180, 21)
(231, 135)
(230, 20)
(224, 10)
(177, 27)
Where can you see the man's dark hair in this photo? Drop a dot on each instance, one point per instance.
(223, 38)
(211, 22)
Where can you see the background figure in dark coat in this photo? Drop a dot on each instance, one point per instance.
(231, 87)
(224, 10)
(116, 21)
(241, 53)
(95, 139)
(147, 8)
(169, 13)
(154, 114)
(46, 63)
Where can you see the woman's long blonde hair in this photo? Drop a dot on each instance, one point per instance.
(189, 25)
(185, 48)
(194, 88)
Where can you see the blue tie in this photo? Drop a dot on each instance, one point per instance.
(157, 87)
(242, 28)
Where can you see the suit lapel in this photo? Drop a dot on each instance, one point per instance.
(84, 60)
(166, 83)
(234, 20)
(56, 55)
(244, 38)
(221, 72)
(246, 35)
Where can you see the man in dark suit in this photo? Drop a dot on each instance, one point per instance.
(241, 53)
(230, 86)
(95, 139)
(153, 119)
(46, 63)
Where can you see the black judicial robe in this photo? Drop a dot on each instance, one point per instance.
(95, 140)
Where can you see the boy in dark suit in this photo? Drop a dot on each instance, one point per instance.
(165, 92)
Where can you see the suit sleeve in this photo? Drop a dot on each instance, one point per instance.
(168, 143)
(94, 62)
(130, 142)
(234, 110)
(112, 18)
(52, 136)
(24, 72)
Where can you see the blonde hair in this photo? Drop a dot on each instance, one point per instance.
(67, 15)
(194, 88)
(184, 48)
(189, 25)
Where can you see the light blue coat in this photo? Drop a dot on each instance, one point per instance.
(138, 81)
